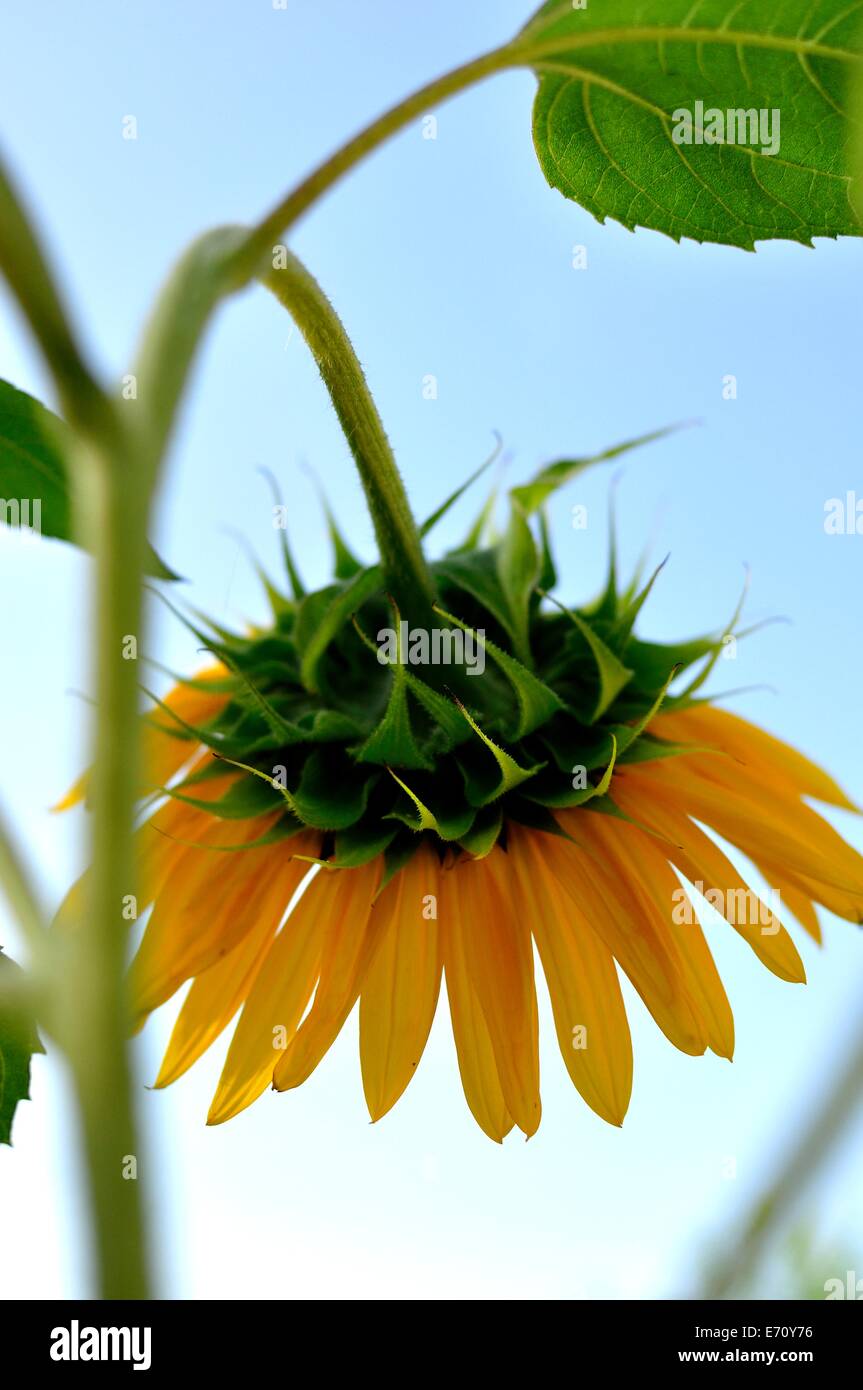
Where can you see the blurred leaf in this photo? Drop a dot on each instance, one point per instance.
(33, 446)
(18, 1042)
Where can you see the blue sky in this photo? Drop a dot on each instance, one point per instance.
(448, 257)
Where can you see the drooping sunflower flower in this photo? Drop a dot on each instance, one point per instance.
(345, 820)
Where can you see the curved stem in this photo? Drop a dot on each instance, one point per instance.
(826, 1128)
(24, 266)
(291, 208)
(398, 538)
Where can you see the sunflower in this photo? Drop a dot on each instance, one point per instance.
(338, 822)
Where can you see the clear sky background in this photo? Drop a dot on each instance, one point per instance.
(448, 257)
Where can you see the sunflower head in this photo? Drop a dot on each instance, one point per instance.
(495, 705)
(361, 801)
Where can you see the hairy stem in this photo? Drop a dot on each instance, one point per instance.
(397, 535)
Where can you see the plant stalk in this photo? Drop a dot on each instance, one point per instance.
(404, 565)
(827, 1125)
(286, 213)
(96, 1032)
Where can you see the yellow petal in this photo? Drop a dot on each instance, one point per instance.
(400, 991)
(499, 960)
(847, 905)
(702, 861)
(661, 891)
(476, 1062)
(209, 902)
(213, 1000)
(598, 879)
(589, 1013)
(76, 793)
(761, 825)
(157, 854)
(163, 753)
(352, 939)
(279, 996)
(751, 745)
(796, 901)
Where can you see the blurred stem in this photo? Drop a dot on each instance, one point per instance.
(81, 970)
(828, 1124)
(97, 1022)
(404, 565)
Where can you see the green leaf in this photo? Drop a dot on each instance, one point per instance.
(444, 507)
(536, 702)
(709, 665)
(484, 833)
(322, 616)
(481, 525)
(442, 711)
(614, 76)
(481, 790)
(632, 606)
(34, 444)
(396, 856)
(518, 566)
(568, 797)
(629, 734)
(360, 844)
(648, 748)
(477, 574)
(297, 587)
(329, 796)
(18, 1042)
(345, 563)
(613, 676)
(392, 740)
(450, 824)
(534, 494)
(548, 571)
(246, 798)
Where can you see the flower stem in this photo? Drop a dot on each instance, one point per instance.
(404, 565)
(81, 971)
(96, 1037)
(827, 1125)
(291, 208)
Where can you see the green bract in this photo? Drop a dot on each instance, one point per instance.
(341, 718)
